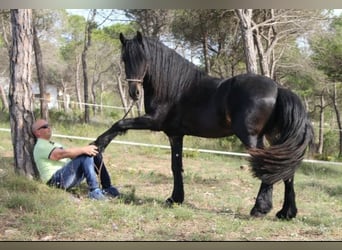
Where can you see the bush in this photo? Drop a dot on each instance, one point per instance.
(74, 116)
(4, 116)
(231, 143)
(330, 145)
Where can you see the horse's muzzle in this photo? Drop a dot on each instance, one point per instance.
(135, 90)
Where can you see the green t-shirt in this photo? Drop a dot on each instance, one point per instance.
(41, 154)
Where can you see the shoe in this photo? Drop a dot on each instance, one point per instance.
(96, 194)
(111, 191)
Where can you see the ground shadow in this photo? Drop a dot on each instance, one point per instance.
(129, 197)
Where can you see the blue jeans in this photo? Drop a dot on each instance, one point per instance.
(78, 169)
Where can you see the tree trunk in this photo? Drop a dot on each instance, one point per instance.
(121, 89)
(321, 123)
(93, 95)
(245, 17)
(263, 58)
(6, 43)
(101, 96)
(85, 85)
(20, 94)
(3, 99)
(205, 54)
(65, 97)
(96, 79)
(87, 43)
(93, 86)
(44, 111)
(338, 119)
(78, 82)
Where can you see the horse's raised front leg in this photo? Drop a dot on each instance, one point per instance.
(143, 122)
(289, 209)
(263, 203)
(177, 196)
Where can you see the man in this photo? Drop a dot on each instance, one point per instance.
(67, 167)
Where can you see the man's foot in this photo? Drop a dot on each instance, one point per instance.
(96, 194)
(111, 191)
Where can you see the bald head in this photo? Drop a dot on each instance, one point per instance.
(41, 129)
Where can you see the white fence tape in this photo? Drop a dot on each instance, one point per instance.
(168, 147)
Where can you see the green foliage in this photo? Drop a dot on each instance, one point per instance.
(109, 36)
(327, 51)
(75, 116)
(113, 31)
(302, 82)
(231, 143)
(216, 28)
(330, 145)
(75, 25)
(70, 50)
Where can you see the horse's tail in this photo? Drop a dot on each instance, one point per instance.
(292, 133)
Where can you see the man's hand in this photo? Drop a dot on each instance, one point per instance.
(90, 150)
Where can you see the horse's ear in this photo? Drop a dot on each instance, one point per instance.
(122, 39)
(139, 37)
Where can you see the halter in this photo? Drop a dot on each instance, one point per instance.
(138, 80)
(134, 80)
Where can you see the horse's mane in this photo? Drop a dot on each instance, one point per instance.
(170, 74)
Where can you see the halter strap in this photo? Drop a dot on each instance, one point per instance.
(134, 80)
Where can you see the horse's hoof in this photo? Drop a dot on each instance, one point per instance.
(257, 214)
(169, 202)
(286, 215)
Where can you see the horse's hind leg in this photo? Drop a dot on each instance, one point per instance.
(289, 209)
(263, 203)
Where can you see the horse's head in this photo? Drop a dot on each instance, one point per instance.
(135, 60)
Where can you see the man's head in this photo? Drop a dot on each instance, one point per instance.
(41, 129)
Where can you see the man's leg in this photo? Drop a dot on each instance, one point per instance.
(75, 171)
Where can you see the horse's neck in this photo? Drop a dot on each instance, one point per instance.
(170, 58)
(169, 75)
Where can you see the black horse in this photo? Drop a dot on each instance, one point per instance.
(180, 99)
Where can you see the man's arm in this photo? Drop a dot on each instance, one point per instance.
(60, 153)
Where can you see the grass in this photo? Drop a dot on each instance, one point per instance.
(218, 197)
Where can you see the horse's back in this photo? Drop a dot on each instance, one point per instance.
(252, 85)
(247, 91)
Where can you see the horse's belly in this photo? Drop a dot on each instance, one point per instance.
(209, 132)
(208, 126)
